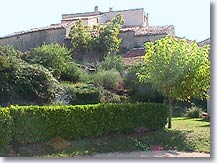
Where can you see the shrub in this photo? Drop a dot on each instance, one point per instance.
(80, 93)
(112, 62)
(41, 123)
(10, 51)
(193, 112)
(5, 129)
(57, 59)
(72, 73)
(109, 79)
(36, 83)
(24, 83)
(107, 96)
(140, 92)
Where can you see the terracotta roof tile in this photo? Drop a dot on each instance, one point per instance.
(149, 30)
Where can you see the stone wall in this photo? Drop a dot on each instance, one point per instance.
(131, 17)
(130, 40)
(27, 41)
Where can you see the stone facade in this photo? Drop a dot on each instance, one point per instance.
(27, 41)
(132, 17)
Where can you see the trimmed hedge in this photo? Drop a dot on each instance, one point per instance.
(34, 124)
(5, 128)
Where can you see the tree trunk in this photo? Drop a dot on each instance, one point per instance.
(170, 112)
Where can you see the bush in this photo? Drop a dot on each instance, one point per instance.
(41, 123)
(80, 93)
(193, 112)
(107, 96)
(22, 83)
(10, 51)
(109, 79)
(141, 92)
(112, 62)
(57, 59)
(5, 129)
(36, 83)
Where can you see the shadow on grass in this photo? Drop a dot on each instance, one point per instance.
(208, 125)
(170, 139)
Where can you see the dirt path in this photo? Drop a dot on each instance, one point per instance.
(150, 154)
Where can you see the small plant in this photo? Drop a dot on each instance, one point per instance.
(139, 145)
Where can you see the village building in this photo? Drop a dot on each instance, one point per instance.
(134, 32)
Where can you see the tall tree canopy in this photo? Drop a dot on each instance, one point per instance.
(178, 68)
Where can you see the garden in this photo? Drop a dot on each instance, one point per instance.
(53, 104)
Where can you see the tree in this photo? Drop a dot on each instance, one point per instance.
(177, 68)
(80, 37)
(101, 39)
(109, 40)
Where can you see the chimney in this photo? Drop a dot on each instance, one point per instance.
(147, 19)
(110, 9)
(96, 9)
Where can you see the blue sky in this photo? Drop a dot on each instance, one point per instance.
(191, 18)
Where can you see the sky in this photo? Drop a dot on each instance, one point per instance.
(191, 18)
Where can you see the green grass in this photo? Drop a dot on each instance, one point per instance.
(186, 135)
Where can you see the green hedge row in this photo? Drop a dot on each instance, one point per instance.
(5, 128)
(33, 124)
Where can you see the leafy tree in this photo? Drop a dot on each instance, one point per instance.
(179, 69)
(102, 39)
(140, 92)
(80, 37)
(109, 40)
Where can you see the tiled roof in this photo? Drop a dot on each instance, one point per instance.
(52, 26)
(150, 30)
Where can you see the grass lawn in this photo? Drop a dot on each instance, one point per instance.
(186, 135)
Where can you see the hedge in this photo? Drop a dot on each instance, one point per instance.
(5, 128)
(34, 124)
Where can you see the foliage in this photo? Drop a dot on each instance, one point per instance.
(5, 129)
(112, 62)
(34, 82)
(41, 123)
(193, 112)
(57, 59)
(179, 69)
(102, 40)
(108, 96)
(109, 79)
(80, 37)
(72, 73)
(10, 51)
(21, 81)
(80, 93)
(187, 135)
(109, 40)
(140, 92)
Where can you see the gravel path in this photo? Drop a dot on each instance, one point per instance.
(161, 153)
